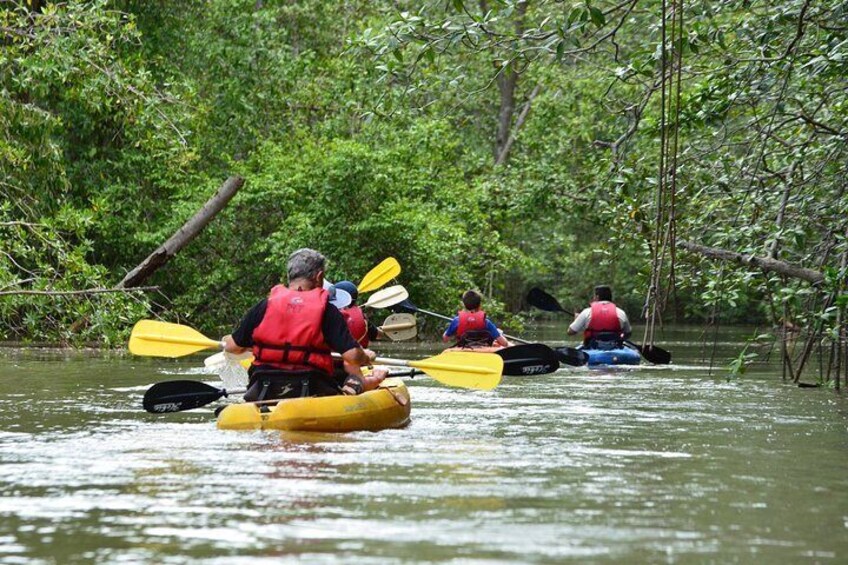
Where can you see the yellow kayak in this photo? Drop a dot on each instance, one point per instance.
(385, 407)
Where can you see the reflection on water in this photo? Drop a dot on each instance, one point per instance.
(625, 465)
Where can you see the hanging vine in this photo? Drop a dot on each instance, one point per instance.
(664, 234)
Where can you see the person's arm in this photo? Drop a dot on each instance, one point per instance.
(451, 331)
(229, 345)
(241, 339)
(626, 330)
(496, 334)
(580, 323)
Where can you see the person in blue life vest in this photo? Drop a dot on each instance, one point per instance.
(604, 325)
(292, 333)
(471, 328)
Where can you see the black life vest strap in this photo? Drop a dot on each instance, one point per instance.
(286, 347)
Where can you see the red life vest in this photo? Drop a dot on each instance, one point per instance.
(470, 321)
(357, 324)
(604, 319)
(289, 337)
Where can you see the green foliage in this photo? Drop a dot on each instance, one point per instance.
(739, 365)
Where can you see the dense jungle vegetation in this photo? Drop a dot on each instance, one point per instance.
(691, 154)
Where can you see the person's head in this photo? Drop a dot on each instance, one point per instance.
(471, 300)
(603, 292)
(307, 264)
(349, 287)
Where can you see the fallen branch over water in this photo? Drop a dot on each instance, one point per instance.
(763, 263)
(184, 235)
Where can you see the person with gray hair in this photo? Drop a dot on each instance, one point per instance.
(305, 263)
(292, 334)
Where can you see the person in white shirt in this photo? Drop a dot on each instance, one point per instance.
(604, 325)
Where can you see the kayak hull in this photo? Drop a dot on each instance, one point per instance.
(385, 407)
(619, 356)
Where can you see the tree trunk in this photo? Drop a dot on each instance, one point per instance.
(507, 81)
(184, 235)
(763, 263)
(503, 155)
(506, 86)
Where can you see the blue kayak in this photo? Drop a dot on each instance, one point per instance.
(618, 356)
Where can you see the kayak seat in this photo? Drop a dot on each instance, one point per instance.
(475, 338)
(605, 341)
(270, 385)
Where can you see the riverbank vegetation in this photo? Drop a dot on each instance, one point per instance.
(691, 154)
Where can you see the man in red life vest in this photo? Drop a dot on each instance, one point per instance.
(603, 324)
(292, 333)
(471, 328)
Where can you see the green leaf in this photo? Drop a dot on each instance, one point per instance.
(597, 16)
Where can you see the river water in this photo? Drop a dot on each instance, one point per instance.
(673, 464)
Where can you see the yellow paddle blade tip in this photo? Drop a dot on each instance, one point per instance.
(164, 339)
(480, 371)
(388, 269)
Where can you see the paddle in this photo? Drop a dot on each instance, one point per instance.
(176, 396)
(544, 301)
(387, 297)
(400, 327)
(653, 353)
(164, 339)
(385, 271)
(528, 359)
(571, 356)
(480, 371)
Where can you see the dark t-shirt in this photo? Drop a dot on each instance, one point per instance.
(335, 330)
(372, 331)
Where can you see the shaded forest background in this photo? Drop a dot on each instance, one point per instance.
(691, 154)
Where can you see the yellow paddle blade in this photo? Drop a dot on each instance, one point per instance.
(379, 275)
(480, 371)
(163, 339)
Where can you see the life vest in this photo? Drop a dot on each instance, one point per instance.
(357, 324)
(472, 327)
(604, 319)
(289, 337)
